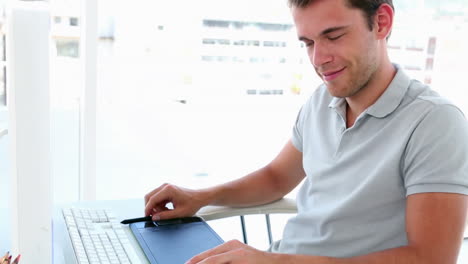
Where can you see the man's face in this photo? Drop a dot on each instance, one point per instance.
(339, 43)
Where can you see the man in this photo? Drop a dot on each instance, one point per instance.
(384, 159)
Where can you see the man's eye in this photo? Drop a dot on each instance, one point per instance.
(309, 43)
(335, 38)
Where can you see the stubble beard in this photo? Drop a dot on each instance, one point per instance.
(362, 79)
(365, 70)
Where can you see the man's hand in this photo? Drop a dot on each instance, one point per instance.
(233, 252)
(186, 202)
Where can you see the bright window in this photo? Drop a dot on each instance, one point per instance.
(205, 96)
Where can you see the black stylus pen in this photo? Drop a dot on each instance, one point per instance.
(135, 220)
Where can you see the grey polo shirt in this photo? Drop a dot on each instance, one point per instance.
(352, 201)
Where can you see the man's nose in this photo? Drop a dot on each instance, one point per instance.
(320, 55)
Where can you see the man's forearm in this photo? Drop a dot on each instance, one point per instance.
(256, 188)
(265, 185)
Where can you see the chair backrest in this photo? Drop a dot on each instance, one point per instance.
(282, 206)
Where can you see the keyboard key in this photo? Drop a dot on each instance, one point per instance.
(97, 237)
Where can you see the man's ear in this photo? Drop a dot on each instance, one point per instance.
(384, 21)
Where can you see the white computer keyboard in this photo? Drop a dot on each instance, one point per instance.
(97, 237)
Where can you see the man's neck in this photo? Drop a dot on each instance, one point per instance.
(369, 94)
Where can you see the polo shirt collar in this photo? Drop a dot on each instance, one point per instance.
(392, 97)
(339, 104)
(388, 101)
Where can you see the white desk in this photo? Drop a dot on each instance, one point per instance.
(62, 248)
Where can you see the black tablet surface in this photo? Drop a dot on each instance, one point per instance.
(175, 241)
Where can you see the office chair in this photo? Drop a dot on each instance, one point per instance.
(282, 206)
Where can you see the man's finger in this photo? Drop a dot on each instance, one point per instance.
(226, 247)
(150, 194)
(164, 215)
(160, 208)
(163, 196)
(226, 257)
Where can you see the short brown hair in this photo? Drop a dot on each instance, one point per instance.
(368, 7)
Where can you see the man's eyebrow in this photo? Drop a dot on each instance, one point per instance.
(325, 32)
(304, 39)
(332, 29)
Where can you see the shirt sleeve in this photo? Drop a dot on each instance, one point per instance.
(436, 157)
(297, 138)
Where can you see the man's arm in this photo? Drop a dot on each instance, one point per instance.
(265, 185)
(434, 224)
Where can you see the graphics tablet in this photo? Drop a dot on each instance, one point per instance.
(174, 241)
